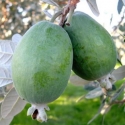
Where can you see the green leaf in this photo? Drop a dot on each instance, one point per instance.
(16, 38)
(123, 2)
(7, 48)
(97, 92)
(17, 108)
(0, 111)
(93, 6)
(119, 73)
(78, 81)
(98, 113)
(5, 75)
(117, 94)
(6, 121)
(12, 104)
(95, 116)
(105, 109)
(119, 6)
(92, 85)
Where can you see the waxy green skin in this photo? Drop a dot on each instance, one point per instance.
(42, 63)
(93, 48)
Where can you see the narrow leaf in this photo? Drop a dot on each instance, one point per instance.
(76, 80)
(81, 98)
(12, 104)
(93, 6)
(17, 108)
(95, 116)
(119, 6)
(2, 92)
(123, 2)
(51, 2)
(92, 85)
(9, 102)
(0, 111)
(16, 38)
(119, 73)
(94, 93)
(5, 75)
(47, 13)
(98, 113)
(105, 109)
(6, 121)
(7, 48)
(118, 93)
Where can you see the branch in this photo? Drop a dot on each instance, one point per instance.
(70, 6)
(118, 102)
(116, 27)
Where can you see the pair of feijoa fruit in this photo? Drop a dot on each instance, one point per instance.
(43, 60)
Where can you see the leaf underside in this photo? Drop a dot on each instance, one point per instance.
(7, 48)
(12, 105)
(5, 75)
(119, 73)
(93, 6)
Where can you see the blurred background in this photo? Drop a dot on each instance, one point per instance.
(18, 16)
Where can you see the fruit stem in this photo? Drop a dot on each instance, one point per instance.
(57, 14)
(71, 11)
(70, 7)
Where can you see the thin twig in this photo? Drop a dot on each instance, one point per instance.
(70, 5)
(63, 16)
(116, 27)
(118, 102)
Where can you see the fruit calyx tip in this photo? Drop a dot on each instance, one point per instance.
(37, 111)
(107, 81)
